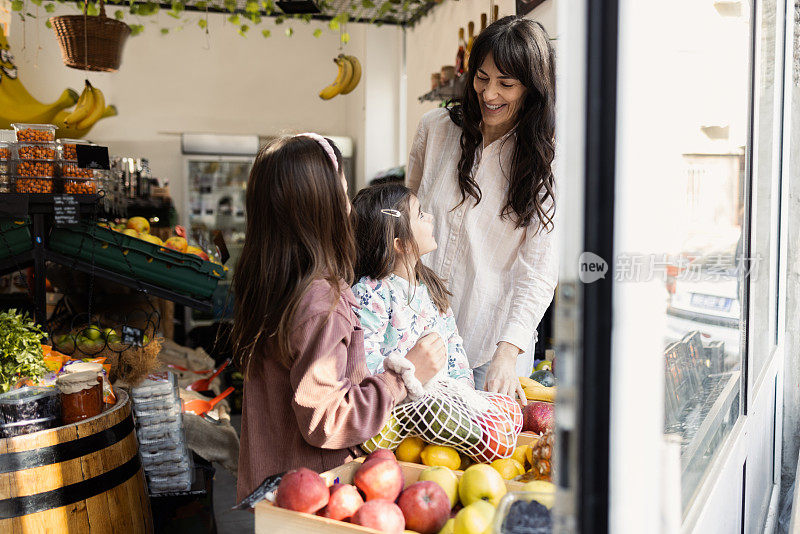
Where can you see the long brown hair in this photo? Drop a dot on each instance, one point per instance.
(298, 231)
(376, 232)
(520, 48)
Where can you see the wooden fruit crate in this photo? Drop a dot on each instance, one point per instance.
(273, 520)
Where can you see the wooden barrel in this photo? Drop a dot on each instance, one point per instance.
(77, 478)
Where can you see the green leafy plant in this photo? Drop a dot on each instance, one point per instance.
(255, 11)
(20, 349)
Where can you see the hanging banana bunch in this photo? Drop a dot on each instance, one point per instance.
(91, 107)
(346, 79)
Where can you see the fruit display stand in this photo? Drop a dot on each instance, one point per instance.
(273, 520)
(39, 208)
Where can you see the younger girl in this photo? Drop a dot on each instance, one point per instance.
(309, 399)
(400, 299)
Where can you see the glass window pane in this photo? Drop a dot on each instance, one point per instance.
(683, 138)
(703, 352)
(765, 160)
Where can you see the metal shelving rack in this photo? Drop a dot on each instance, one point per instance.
(39, 207)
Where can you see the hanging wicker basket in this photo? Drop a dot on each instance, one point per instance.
(91, 42)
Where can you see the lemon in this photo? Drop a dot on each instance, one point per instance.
(441, 455)
(508, 468)
(519, 454)
(409, 449)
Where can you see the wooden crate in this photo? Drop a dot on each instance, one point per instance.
(273, 520)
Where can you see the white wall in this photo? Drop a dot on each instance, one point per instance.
(433, 42)
(229, 84)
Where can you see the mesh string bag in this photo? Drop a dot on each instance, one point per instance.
(484, 426)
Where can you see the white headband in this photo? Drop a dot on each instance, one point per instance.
(325, 146)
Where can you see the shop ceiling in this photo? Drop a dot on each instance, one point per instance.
(379, 12)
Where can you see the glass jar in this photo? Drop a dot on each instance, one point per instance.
(81, 394)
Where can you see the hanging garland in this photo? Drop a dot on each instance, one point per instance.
(241, 20)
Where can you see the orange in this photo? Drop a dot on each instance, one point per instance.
(409, 449)
(441, 455)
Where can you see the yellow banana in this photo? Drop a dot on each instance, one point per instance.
(98, 107)
(83, 107)
(16, 103)
(535, 391)
(355, 78)
(342, 78)
(72, 132)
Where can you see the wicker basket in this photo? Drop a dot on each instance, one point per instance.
(91, 43)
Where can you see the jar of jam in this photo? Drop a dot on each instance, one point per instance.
(81, 395)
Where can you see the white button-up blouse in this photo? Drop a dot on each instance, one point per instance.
(502, 277)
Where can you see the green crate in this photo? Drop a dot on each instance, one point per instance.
(15, 238)
(129, 256)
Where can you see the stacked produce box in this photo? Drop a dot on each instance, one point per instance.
(36, 162)
(159, 428)
(36, 153)
(77, 181)
(6, 184)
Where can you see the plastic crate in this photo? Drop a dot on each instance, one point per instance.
(129, 256)
(15, 238)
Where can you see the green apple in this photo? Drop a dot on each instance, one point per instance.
(545, 492)
(480, 482)
(145, 339)
(448, 527)
(109, 332)
(445, 478)
(93, 333)
(474, 519)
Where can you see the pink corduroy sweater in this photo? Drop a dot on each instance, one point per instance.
(317, 413)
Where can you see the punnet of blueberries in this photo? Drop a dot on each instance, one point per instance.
(528, 518)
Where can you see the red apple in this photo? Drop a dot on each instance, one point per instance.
(379, 479)
(538, 417)
(381, 453)
(344, 502)
(426, 507)
(382, 515)
(302, 490)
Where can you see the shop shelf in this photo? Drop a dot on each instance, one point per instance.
(129, 256)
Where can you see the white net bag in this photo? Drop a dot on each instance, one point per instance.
(482, 425)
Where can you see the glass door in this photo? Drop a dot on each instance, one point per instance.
(215, 196)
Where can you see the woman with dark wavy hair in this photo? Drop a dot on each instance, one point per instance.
(483, 169)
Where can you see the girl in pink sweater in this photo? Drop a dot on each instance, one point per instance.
(309, 399)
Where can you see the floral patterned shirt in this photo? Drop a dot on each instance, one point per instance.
(393, 323)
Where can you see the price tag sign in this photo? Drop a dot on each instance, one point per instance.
(65, 210)
(92, 157)
(132, 336)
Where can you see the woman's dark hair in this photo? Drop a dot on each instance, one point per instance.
(520, 48)
(376, 232)
(298, 231)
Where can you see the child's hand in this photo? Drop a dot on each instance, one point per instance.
(428, 356)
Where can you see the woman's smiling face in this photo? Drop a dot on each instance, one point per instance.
(500, 96)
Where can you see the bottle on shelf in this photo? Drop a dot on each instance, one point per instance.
(483, 21)
(495, 13)
(462, 50)
(470, 40)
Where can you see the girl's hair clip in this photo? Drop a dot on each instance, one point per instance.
(393, 213)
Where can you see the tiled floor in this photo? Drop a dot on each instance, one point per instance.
(229, 521)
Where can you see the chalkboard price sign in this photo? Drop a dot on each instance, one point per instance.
(65, 210)
(92, 157)
(132, 336)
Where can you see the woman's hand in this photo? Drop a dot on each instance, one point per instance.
(502, 374)
(428, 356)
